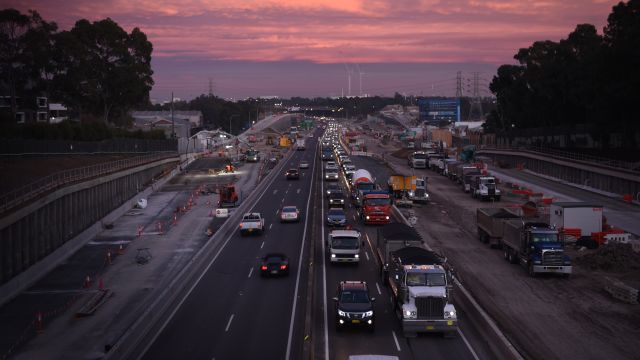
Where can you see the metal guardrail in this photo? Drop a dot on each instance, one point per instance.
(62, 178)
(596, 160)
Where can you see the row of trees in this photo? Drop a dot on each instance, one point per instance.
(96, 69)
(586, 78)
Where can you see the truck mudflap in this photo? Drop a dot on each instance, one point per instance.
(562, 269)
(410, 326)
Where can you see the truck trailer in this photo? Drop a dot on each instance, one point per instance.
(420, 281)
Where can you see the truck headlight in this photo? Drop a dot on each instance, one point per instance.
(369, 313)
(450, 314)
(386, 217)
(410, 192)
(333, 255)
(356, 256)
(341, 313)
(367, 217)
(410, 314)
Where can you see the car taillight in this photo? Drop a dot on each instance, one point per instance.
(240, 226)
(264, 267)
(282, 267)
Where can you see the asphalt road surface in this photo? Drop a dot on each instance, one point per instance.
(233, 313)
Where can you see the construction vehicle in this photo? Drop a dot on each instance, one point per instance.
(227, 196)
(484, 188)
(465, 173)
(420, 281)
(411, 188)
(536, 246)
(418, 160)
(490, 224)
(300, 144)
(376, 207)
(361, 182)
(284, 141)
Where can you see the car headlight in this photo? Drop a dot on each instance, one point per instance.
(341, 313)
(367, 217)
(369, 313)
(450, 314)
(410, 314)
(356, 256)
(342, 200)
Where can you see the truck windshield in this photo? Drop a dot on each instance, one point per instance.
(376, 202)
(366, 186)
(419, 156)
(345, 243)
(544, 238)
(425, 279)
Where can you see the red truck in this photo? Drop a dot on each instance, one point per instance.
(376, 207)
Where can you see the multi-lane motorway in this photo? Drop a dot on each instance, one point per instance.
(234, 313)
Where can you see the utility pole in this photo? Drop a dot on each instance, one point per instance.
(475, 111)
(458, 93)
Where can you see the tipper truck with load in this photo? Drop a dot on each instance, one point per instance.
(490, 224)
(412, 188)
(361, 182)
(536, 246)
(420, 281)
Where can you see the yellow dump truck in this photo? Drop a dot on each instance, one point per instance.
(406, 187)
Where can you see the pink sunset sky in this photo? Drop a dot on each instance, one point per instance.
(305, 48)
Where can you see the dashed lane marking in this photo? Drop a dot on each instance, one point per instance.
(250, 272)
(261, 245)
(366, 254)
(270, 226)
(231, 319)
(395, 338)
(378, 287)
(275, 191)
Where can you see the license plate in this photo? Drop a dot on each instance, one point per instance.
(274, 271)
(430, 327)
(355, 321)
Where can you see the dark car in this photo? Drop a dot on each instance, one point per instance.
(292, 174)
(332, 188)
(354, 306)
(274, 264)
(336, 217)
(336, 199)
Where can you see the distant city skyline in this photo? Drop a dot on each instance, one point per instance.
(290, 48)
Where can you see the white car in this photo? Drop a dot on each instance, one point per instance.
(303, 164)
(289, 213)
(331, 166)
(331, 175)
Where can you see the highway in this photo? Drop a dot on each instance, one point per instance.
(387, 338)
(233, 313)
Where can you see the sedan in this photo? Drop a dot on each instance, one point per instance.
(292, 174)
(331, 165)
(336, 217)
(289, 213)
(274, 264)
(303, 164)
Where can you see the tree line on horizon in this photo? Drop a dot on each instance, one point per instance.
(587, 80)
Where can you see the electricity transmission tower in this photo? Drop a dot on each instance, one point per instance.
(475, 111)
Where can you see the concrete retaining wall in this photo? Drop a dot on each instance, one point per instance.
(36, 238)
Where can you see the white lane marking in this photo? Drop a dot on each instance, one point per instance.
(250, 272)
(277, 211)
(261, 245)
(354, 217)
(186, 295)
(229, 323)
(324, 280)
(366, 254)
(395, 338)
(378, 287)
(270, 225)
(298, 191)
(275, 191)
(295, 293)
(464, 338)
(282, 200)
